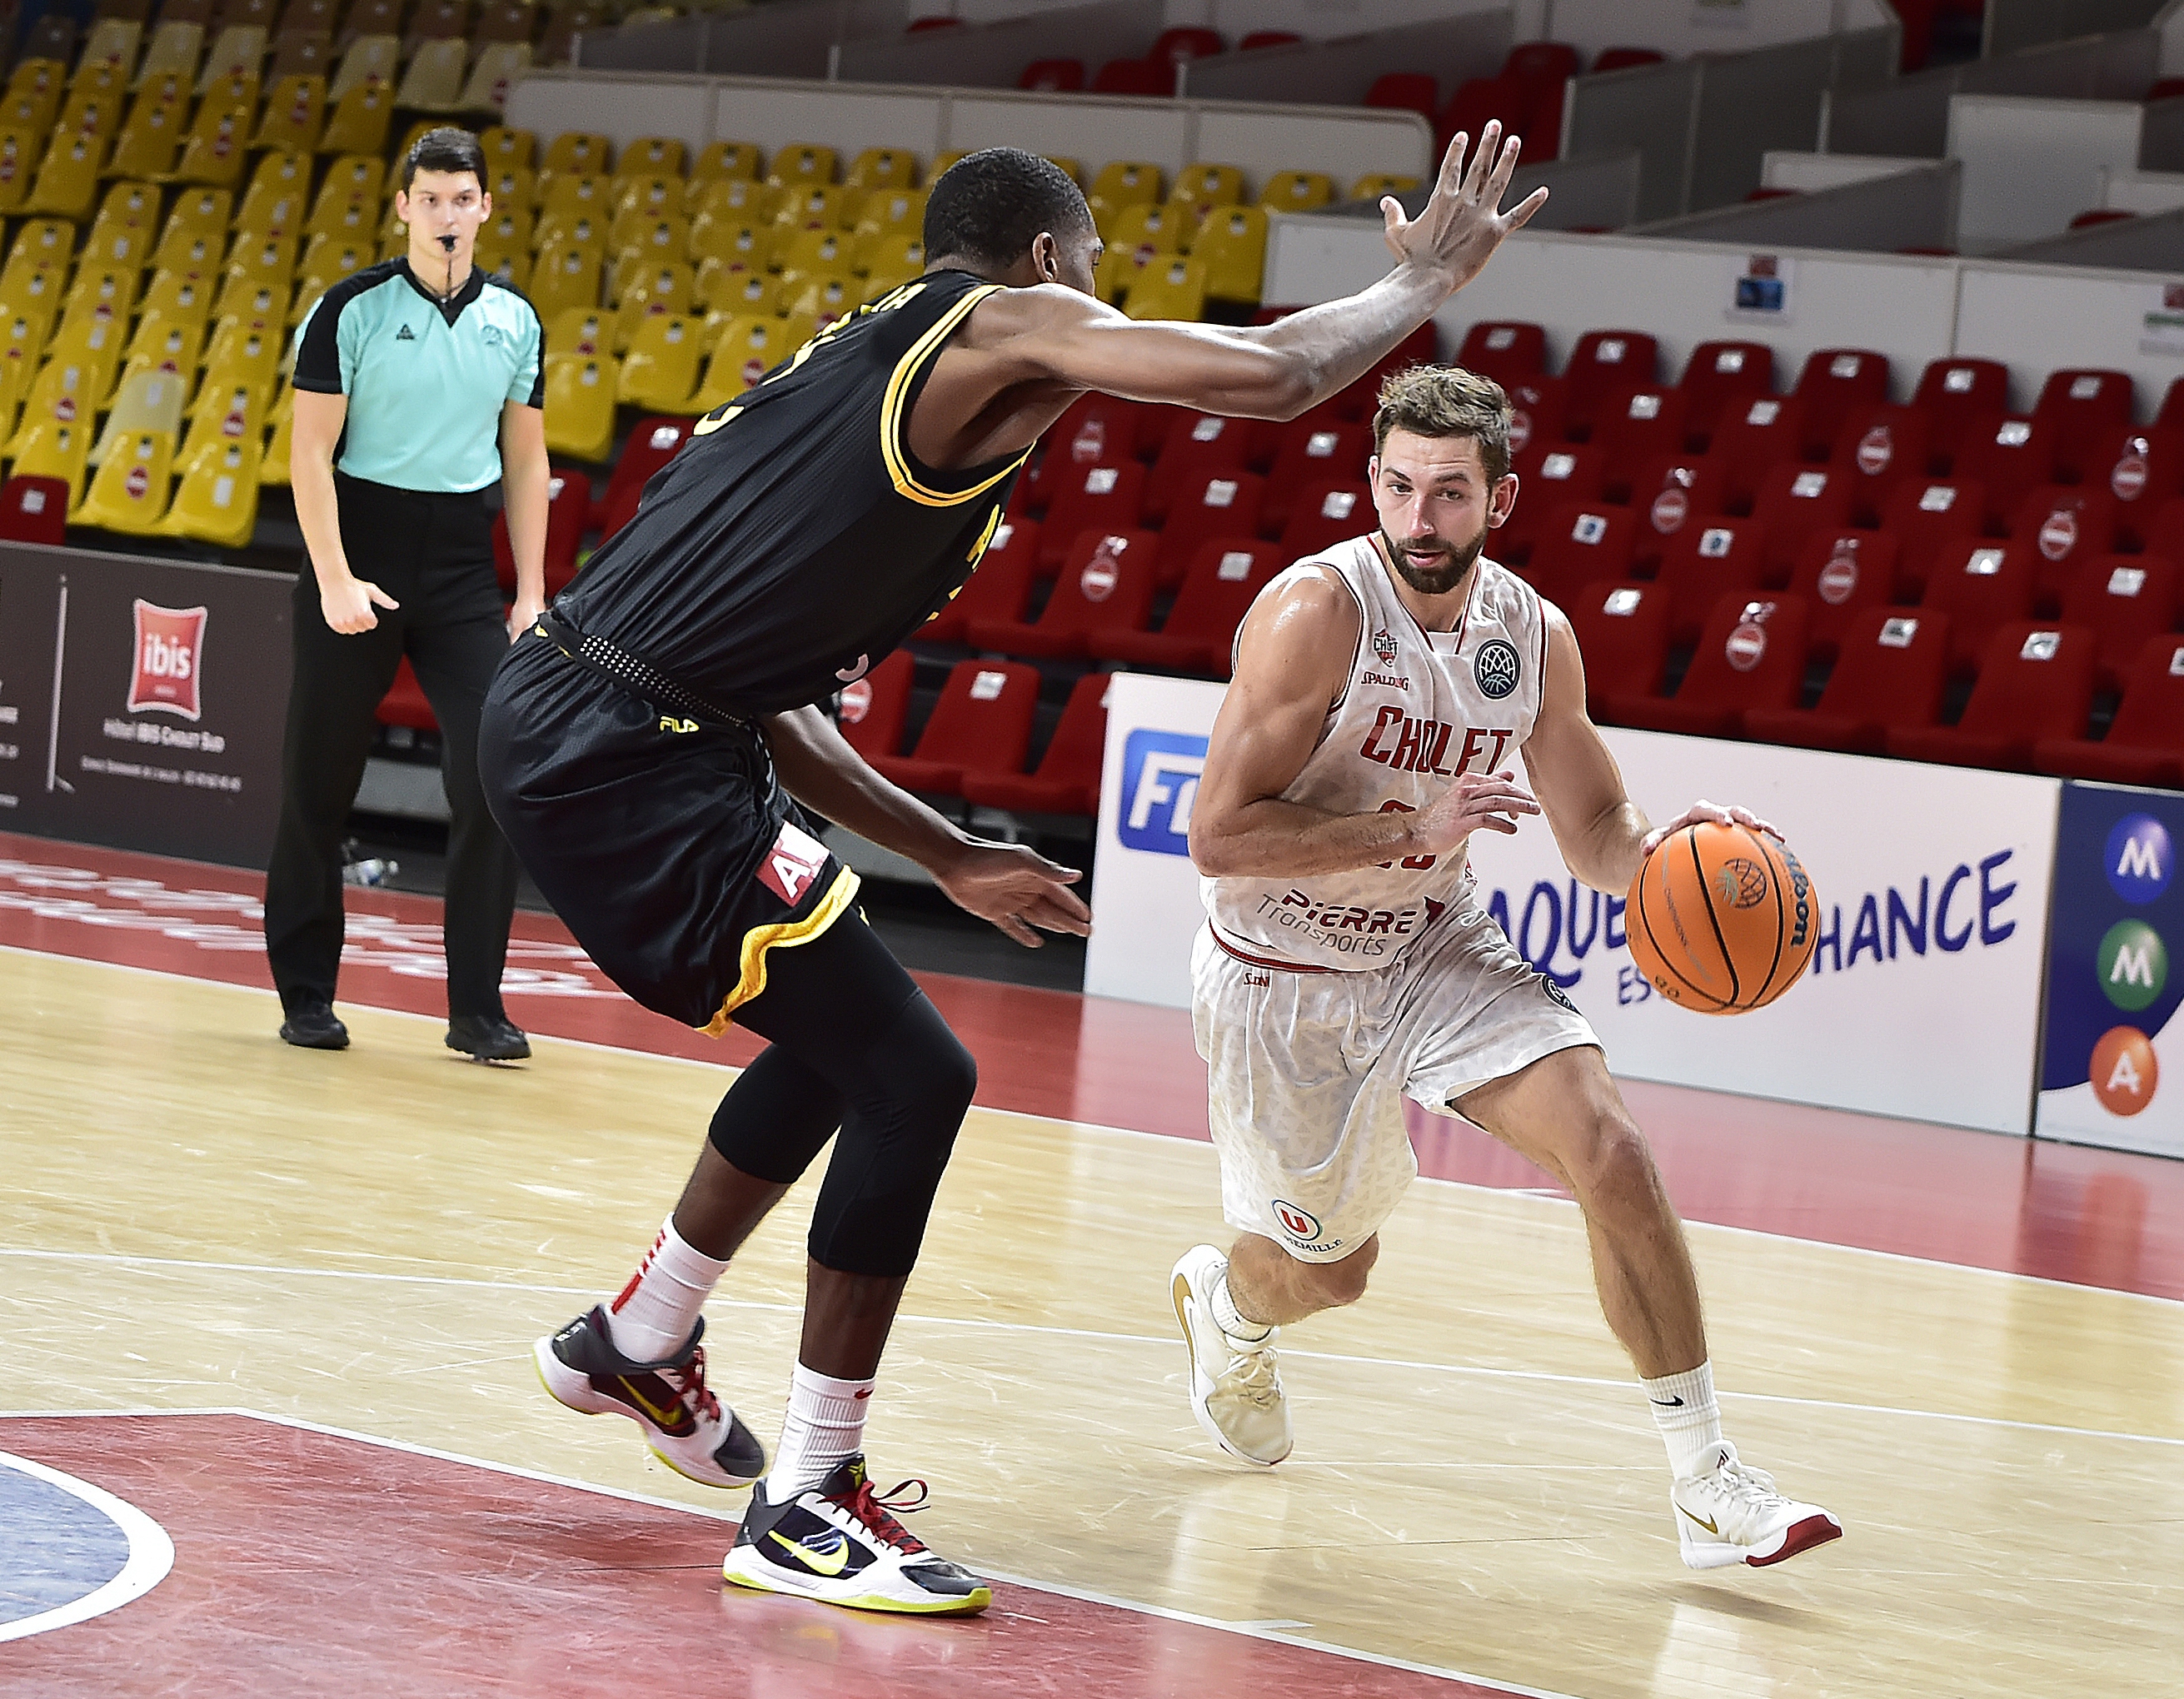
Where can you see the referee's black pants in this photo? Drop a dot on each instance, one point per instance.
(433, 553)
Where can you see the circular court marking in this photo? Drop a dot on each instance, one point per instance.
(80, 1551)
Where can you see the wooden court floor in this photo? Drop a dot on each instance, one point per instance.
(193, 1217)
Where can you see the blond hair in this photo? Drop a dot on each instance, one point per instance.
(1447, 401)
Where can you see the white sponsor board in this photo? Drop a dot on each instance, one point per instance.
(1932, 887)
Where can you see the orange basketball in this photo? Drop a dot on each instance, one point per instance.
(1721, 919)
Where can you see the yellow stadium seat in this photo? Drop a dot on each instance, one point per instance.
(807, 251)
(651, 293)
(585, 152)
(1297, 191)
(60, 394)
(748, 347)
(1202, 186)
(722, 161)
(325, 262)
(738, 247)
(68, 178)
(890, 210)
(498, 65)
(94, 108)
(128, 206)
(295, 114)
(355, 221)
(172, 346)
(569, 277)
(23, 342)
(352, 177)
(151, 139)
(825, 297)
(504, 146)
(750, 294)
(241, 356)
(878, 283)
(46, 244)
(579, 333)
(887, 253)
(803, 164)
(176, 298)
(574, 194)
(47, 447)
(580, 408)
(720, 280)
(1117, 269)
(14, 380)
(1374, 184)
(511, 266)
(651, 156)
(368, 59)
(1124, 183)
(173, 51)
(577, 236)
(509, 231)
(360, 117)
(633, 239)
(35, 298)
(1146, 229)
(216, 155)
(238, 50)
(273, 470)
(106, 295)
(217, 500)
(513, 188)
(205, 211)
(33, 114)
(95, 346)
(883, 168)
(655, 197)
(434, 81)
(19, 152)
(941, 162)
(821, 207)
(660, 373)
(1167, 289)
(220, 416)
(1232, 245)
(112, 41)
(267, 259)
(129, 492)
(148, 401)
(37, 75)
(738, 200)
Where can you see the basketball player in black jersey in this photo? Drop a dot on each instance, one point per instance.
(649, 747)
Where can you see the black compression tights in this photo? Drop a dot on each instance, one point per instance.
(853, 1044)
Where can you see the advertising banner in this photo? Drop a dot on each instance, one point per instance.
(141, 702)
(2112, 1072)
(1924, 998)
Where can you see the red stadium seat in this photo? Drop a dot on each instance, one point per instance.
(1751, 654)
(1840, 575)
(1604, 366)
(2093, 215)
(2067, 525)
(1931, 518)
(2142, 468)
(2171, 416)
(1509, 351)
(1535, 412)
(2087, 406)
(1199, 446)
(1321, 449)
(1095, 430)
(1549, 477)
(1537, 62)
(2145, 741)
(1723, 377)
(568, 516)
(1889, 676)
(875, 710)
(1704, 564)
(982, 724)
(1671, 495)
(1135, 76)
(919, 25)
(1405, 91)
(1879, 450)
(1747, 444)
(1577, 543)
(1093, 499)
(1792, 502)
(1981, 584)
(1327, 514)
(1052, 77)
(1835, 383)
(1477, 102)
(2036, 681)
(1227, 504)
(1175, 45)
(1642, 426)
(1218, 587)
(650, 445)
(1954, 392)
(2120, 599)
(1621, 632)
(1624, 58)
(34, 510)
(1106, 580)
(2007, 456)
(1067, 778)
(404, 703)
(997, 590)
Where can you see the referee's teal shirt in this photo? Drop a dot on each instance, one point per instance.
(424, 383)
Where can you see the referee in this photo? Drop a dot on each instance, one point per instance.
(419, 382)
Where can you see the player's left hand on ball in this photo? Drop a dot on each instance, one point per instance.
(1706, 813)
(1016, 888)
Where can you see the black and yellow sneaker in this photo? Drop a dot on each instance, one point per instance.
(689, 1429)
(840, 1542)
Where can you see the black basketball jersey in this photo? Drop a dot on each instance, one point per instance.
(795, 540)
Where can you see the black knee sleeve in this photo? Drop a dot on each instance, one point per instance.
(775, 1118)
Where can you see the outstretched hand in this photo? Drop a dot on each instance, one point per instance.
(1705, 813)
(1461, 222)
(1015, 889)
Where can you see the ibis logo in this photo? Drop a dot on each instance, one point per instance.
(168, 662)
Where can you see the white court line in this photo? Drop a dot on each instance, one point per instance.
(1162, 1342)
(1249, 1631)
(151, 1554)
(1170, 1141)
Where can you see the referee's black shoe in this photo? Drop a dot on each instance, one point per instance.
(487, 1038)
(312, 1025)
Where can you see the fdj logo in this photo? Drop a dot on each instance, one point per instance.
(2137, 859)
(1160, 782)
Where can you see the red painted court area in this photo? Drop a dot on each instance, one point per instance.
(311, 1563)
(2095, 1217)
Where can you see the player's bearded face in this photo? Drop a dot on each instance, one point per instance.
(1430, 564)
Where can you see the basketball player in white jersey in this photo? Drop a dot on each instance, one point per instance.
(1383, 691)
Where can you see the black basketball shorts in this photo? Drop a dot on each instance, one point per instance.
(673, 854)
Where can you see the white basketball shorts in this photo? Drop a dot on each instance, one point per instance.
(1307, 1072)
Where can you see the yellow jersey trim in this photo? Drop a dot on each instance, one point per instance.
(786, 936)
(892, 451)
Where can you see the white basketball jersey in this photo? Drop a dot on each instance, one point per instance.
(1422, 709)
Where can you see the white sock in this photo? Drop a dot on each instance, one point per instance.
(825, 1424)
(1690, 1421)
(1233, 1321)
(651, 1317)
